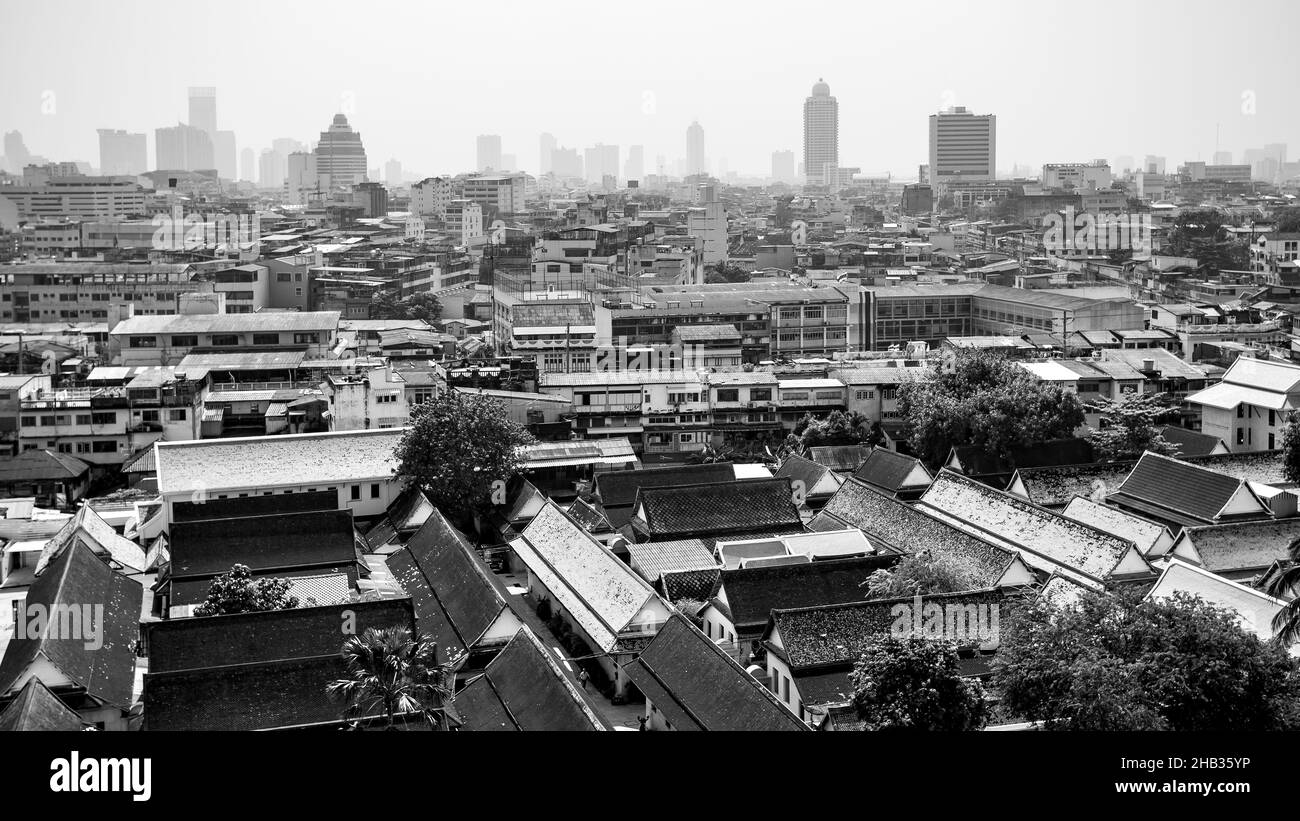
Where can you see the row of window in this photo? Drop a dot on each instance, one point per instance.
(221, 340)
(102, 418)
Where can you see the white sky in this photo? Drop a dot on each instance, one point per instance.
(1069, 81)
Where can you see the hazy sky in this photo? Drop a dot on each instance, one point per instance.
(1069, 81)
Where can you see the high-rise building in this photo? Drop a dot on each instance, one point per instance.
(1222, 158)
(340, 156)
(393, 173)
(566, 163)
(1153, 164)
(695, 149)
(600, 161)
(963, 146)
(16, 154)
(203, 109)
(821, 135)
(489, 152)
(225, 155)
(248, 165)
(183, 148)
(122, 153)
(783, 166)
(634, 165)
(546, 146)
(301, 178)
(272, 169)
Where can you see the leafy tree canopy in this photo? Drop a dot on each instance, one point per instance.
(384, 305)
(238, 592)
(918, 574)
(1130, 425)
(915, 684)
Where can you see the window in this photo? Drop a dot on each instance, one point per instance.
(356, 492)
(760, 394)
(306, 339)
(283, 277)
(108, 446)
(225, 339)
(728, 395)
(1240, 411)
(176, 415)
(266, 339)
(104, 418)
(374, 491)
(143, 342)
(1241, 435)
(864, 394)
(785, 689)
(1272, 420)
(29, 421)
(889, 393)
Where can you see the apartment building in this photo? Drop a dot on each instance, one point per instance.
(152, 340)
(1251, 405)
(371, 398)
(62, 292)
(75, 197)
(497, 194)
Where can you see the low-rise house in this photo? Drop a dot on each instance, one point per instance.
(903, 477)
(1241, 551)
(813, 483)
(265, 670)
(612, 609)
(905, 528)
(457, 600)
(1254, 609)
(761, 506)
(812, 650)
(1248, 408)
(692, 684)
(791, 548)
(1152, 538)
(1182, 494)
(1047, 541)
(523, 689)
(557, 467)
(88, 528)
(78, 634)
(55, 479)
(148, 340)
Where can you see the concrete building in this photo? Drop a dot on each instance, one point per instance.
(122, 153)
(783, 166)
(464, 221)
(153, 340)
(695, 160)
(74, 198)
(431, 196)
(1250, 406)
(499, 194)
(184, 148)
(1092, 176)
(302, 179)
(488, 153)
(963, 146)
(340, 156)
(821, 135)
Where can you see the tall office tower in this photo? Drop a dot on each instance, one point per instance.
(223, 147)
(783, 166)
(393, 173)
(634, 165)
(248, 165)
(1222, 158)
(601, 161)
(545, 147)
(963, 146)
(340, 156)
(821, 135)
(203, 109)
(302, 179)
(122, 153)
(1153, 164)
(695, 149)
(183, 148)
(489, 152)
(272, 169)
(16, 154)
(565, 163)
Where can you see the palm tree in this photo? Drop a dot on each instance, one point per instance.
(390, 671)
(1286, 624)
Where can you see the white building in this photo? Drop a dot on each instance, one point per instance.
(963, 146)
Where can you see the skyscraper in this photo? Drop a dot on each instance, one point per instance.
(203, 109)
(392, 172)
(16, 153)
(223, 149)
(821, 135)
(489, 152)
(301, 178)
(122, 153)
(340, 156)
(601, 160)
(545, 145)
(183, 148)
(783, 166)
(695, 149)
(634, 166)
(963, 146)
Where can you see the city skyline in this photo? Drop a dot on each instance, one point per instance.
(60, 109)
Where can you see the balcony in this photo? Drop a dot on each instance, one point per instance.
(633, 409)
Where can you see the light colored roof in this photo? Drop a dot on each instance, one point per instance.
(1061, 591)
(589, 582)
(1050, 371)
(615, 451)
(619, 378)
(1224, 395)
(653, 559)
(810, 384)
(274, 461)
(89, 527)
(1255, 609)
(285, 321)
(1263, 374)
(1142, 532)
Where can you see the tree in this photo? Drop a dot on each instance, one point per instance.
(838, 428)
(1287, 220)
(727, 272)
(1202, 234)
(915, 684)
(982, 398)
(1291, 450)
(1119, 662)
(458, 447)
(1286, 624)
(1129, 426)
(423, 306)
(918, 574)
(388, 671)
(238, 592)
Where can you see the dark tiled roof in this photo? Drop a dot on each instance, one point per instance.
(975, 462)
(275, 504)
(41, 466)
(1243, 546)
(456, 597)
(753, 593)
(323, 539)
(589, 516)
(697, 686)
(1264, 466)
(78, 578)
(1190, 442)
(194, 591)
(618, 488)
(522, 688)
(797, 468)
(724, 507)
(846, 458)
(1178, 486)
(35, 708)
(839, 634)
(1056, 486)
(886, 469)
(653, 559)
(404, 516)
(904, 527)
(205, 642)
(697, 585)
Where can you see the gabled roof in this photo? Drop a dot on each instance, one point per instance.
(974, 461)
(1056, 486)
(404, 516)
(322, 539)
(1238, 547)
(618, 488)
(721, 507)
(594, 586)
(1187, 491)
(697, 686)
(818, 480)
(1193, 443)
(1264, 375)
(697, 585)
(41, 466)
(1046, 540)
(845, 458)
(653, 559)
(751, 594)
(889, 521)
(88, 528)
(591, 517)
(893, 472)
(1255, 609)
(1144, 533)
(77, 578)
(456, 598)
(35, 708)
(522, 688)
